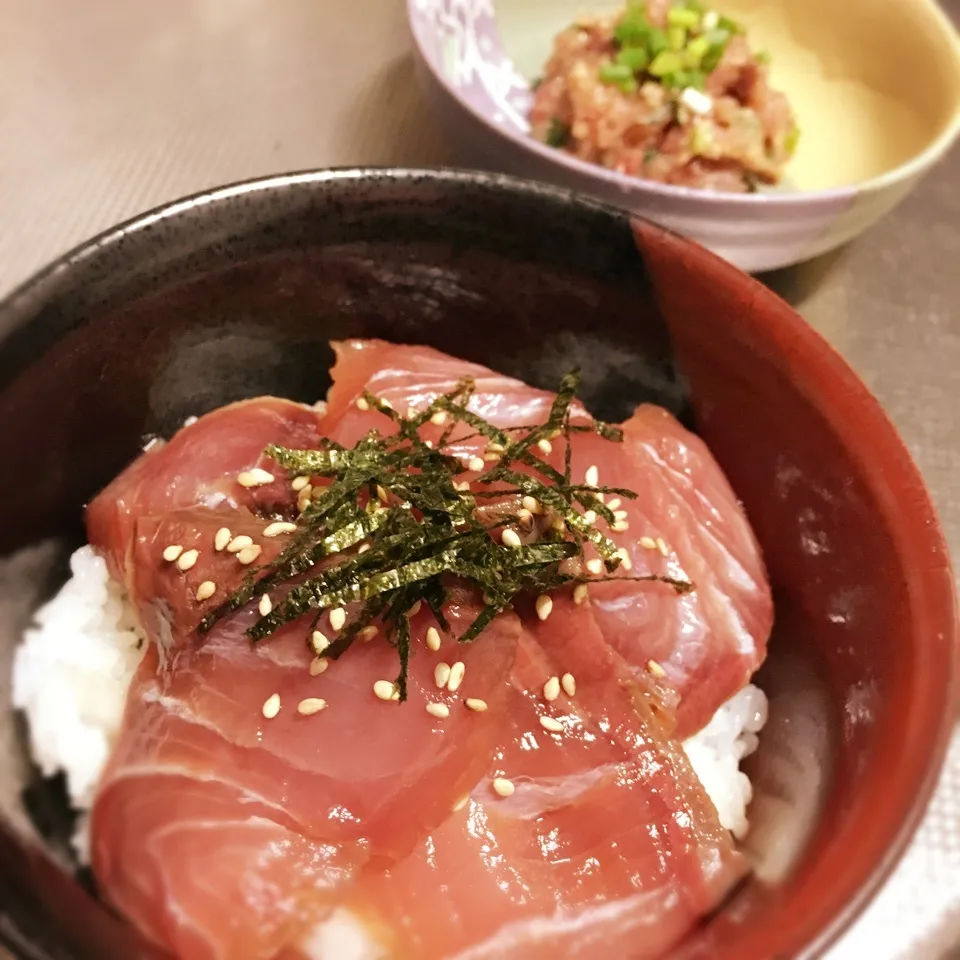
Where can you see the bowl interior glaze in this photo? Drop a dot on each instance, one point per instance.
(238, 292)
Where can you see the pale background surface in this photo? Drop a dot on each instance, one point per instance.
(109, 107)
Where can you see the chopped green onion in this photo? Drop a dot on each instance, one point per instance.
(619, 75)
(633, 26)
(791, 140)
(701, 138)
(557, 133)
(683, 17)
(763, 57)
(665, 63)
(676, 38)
(657, 41)
(636, 58)
(695, 52)
(725, 23)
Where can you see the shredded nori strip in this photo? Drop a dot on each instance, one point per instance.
(399, 497)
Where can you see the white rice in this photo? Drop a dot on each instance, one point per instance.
(72, 671)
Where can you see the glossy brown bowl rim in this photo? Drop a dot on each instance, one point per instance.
(821, 375)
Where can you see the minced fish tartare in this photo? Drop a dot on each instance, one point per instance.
(669, 92)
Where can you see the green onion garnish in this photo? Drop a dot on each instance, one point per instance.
(557, 133)
(401, 500)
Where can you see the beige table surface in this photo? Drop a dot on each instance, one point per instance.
(108, 107)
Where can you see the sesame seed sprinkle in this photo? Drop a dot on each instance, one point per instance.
(457, 673)
(475, 464)
(543, 606)
(299, 483)
(592, 476)
(439, 418)
(532, 504)
(319, 642)
(187, 559)
(206, 590)
(318, 665)
(441, 674)
(545, 446)
(625, 558)
(648, 543)
(475, 704)
(491, 456)
(369, 632)
(524, 516)
(511, 538)
(595, 565)
(619, 514)
(172, 552)
(222, 537)
(248, 554)
(265, 606)
(386, 690)
(551, 689)
(414, 609)
(277, 527)
(614, 503)
(569, 684)
(619, 526)
(257, 477)
(364, 547)
(311, 705)
(433, 639)
(239, 543)
(439, 710)
(362, 404)
(503, 787)
(338, 617)
(551, 725)
(580, 592)
(589, 516)
(460, 804)
(271, 706)
(662, 547)
(655, 669)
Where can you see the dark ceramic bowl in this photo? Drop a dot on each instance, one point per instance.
(237, 292)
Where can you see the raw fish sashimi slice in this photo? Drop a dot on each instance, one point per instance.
(685, 522)
(608, 842)
(199, 769)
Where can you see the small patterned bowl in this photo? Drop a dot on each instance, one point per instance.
(869, 133)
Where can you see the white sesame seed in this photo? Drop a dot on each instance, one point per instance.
(187, 559)
(239, 543)
(382, 494)
(511, 538)
(494, 447)
(256, 477)
(319, 642)
(385, 404)
(696, 100)
(461, 485)
(552, 725)
(311, 705)
(524, 516)
(441, 674)
(592, 476)
(364, 547)
(503, 787)
(648, 543)
(271, 706)
(433, 639)
(318, 665)
(190, 421)
(368, 633)
(172, 552)
(531, 504)
(544, 446)
(299, 483)
(222, 538)
(206, 590)
(439, 418)
(491, 457)
(543, 605)
(460, 804)
(385, 690)
(551, 689)
(614, 503)
(475, 704)
(619, 526)
(362, 403)
(248, 554)
(414, 609)
(589, 516)
(580, 592)
(265, 606)
(654, 668)
(662, 547)
(338, 617)
(595, 565)
(558, 524)
(277, 527)
(569, 684)
(619, 514)
(439, 710)
(475, 464)
(457, 672)
(625, 558)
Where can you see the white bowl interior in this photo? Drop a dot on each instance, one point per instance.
(874, 84)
